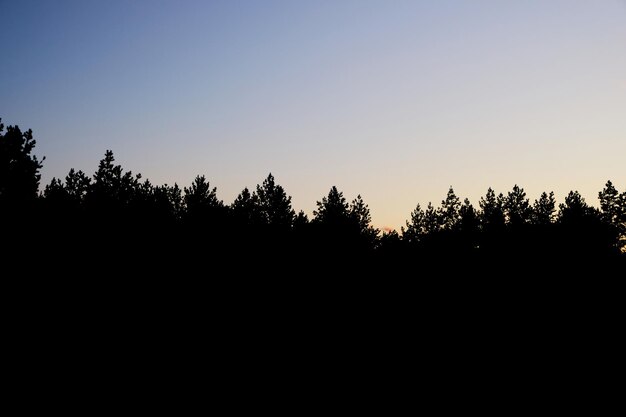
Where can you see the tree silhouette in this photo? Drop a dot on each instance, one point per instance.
(274, 204)
(469, 226)
(263, 221)
(201, 201)
(205, 222)
(246, 209)
(492, 221)
(113, 190)
(390, 250)
(391, 239)
(56, 192)
(168, 202)
(301, 220)
(77, 185)
(613, 206)
(492, 211)
(541, 237)
(610, 204)
(449, 212)
(341, 228)
(20, 224)
(68, 198)
(432, 220)
(574, 210)
(19, 170)
(544, 209)
(415, 229)
(333, 209)
(360, 212)
(583, 231)
(517, 207)
(116, 220)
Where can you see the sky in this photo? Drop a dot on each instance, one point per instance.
(394, 100)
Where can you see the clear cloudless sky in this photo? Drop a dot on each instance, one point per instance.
(394, 100)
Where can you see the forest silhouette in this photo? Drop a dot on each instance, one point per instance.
(114, 221)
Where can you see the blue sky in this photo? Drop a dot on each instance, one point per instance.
(395, 100)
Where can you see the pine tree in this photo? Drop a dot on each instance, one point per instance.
(201, 202)
(333, 209)
(449, 211)
(543, 209)
(491, 206)
(517, 207)
(574, 209)
(360, 213)
(415, 229)
(613, 206)
(112, 188)
(275, 204)
(19, 170)
(469, 221)
(432, 220)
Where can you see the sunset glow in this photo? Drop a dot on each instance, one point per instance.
(396, 101)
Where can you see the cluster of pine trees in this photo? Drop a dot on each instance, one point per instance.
(118, 216)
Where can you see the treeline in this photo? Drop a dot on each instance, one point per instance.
(118, 216)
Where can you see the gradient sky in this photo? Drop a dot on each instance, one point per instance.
(395, 100)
